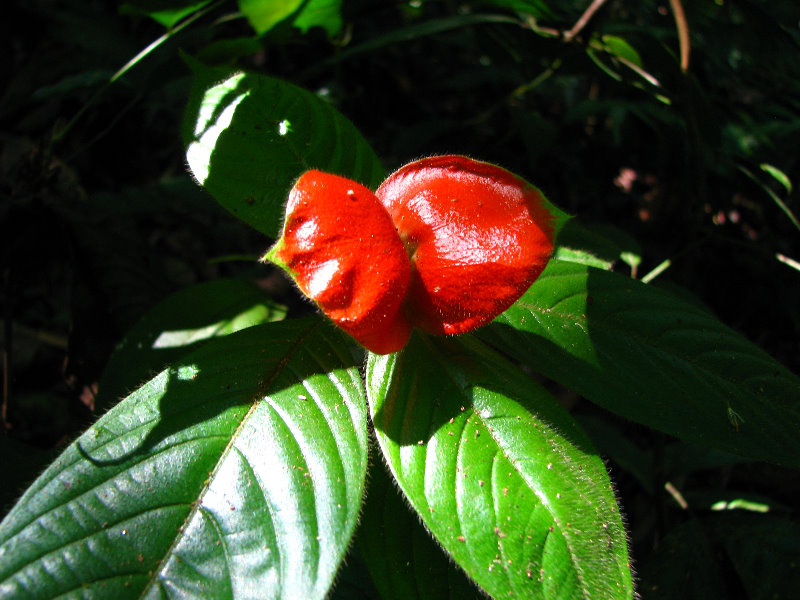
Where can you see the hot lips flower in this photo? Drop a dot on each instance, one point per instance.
(445, 244)
(341, 248)
(477, 236)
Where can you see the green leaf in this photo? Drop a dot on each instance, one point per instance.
(179, 324)
(620, 48)
(654, 358)
(320, 13)
(403, 559)
(596, 245)
(263, 15)
(165, 12)
(498, 472)
(778, 175)
(249, 137)
(237, 472)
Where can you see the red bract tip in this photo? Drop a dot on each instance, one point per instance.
(341, 248)
(477, 236)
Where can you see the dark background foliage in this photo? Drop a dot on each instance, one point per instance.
(98, 225)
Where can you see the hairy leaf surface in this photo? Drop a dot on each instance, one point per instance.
(498, 472)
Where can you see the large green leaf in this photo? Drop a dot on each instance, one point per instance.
(178, 324)
(249, 137)
(236, 473)
(498, 472)
(655, 358)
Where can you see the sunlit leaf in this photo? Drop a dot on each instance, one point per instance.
(263, 15)
(236, 473)
(249, 137)
(498, 472)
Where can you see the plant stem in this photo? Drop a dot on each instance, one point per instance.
(583, 20)
(683, 32)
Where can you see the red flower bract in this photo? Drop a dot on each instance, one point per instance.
(343, 251)
(477, 236)
(445, 244)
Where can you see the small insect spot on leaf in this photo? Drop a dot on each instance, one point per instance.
(461, 538)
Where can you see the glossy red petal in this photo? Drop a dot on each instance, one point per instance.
(343, 251)
(477, 236)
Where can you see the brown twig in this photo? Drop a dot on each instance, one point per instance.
(571, 33)
(683, 32)
(583, 20)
